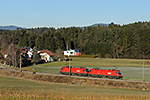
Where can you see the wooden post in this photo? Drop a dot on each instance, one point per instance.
(20, 62)
(143, 73)
(69, 66)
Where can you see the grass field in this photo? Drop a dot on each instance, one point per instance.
(14, 88)
(130, 68)
(21, 89)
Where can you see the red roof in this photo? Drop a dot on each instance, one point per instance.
(48, 52)
(23, 50)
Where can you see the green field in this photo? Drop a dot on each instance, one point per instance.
(14, 88)
(130, 68)
(11, 88)
(104, 62)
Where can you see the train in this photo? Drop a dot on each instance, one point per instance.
(93, 72)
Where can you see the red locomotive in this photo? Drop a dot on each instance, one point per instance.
(94, 72)
(110, 73)
(82, 71)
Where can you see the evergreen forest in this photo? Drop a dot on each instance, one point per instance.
(112, 41)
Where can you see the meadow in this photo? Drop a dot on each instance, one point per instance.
(131, 69)
(23, 89)
(26, 89)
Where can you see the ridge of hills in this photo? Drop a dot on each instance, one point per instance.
(12, 27)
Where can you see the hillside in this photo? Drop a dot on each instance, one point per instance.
(115, 41)
(99, 24)
(10, 27)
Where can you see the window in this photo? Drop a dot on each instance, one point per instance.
(42, 57)
(23, 49)
(71, 52)
(119, 72)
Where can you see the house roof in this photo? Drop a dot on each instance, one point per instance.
(24, 49)
(48, 52)
(5, 52)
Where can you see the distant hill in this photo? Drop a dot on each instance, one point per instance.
(11, 27)
(101, 24)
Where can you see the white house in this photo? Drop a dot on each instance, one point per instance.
(72, 52)
(47, 55)
(30, 52)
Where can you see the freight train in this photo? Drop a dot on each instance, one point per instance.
(94, 72)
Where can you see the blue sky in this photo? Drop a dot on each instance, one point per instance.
(66, 13)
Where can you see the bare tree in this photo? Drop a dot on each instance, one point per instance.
(13, 55)
(3, 45)
(59, 52)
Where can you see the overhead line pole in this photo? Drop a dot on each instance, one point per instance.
(20, 61)
(143, 72)
(69, 66)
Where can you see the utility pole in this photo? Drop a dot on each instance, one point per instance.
(20, 61)
(69, 66)
(143, 72)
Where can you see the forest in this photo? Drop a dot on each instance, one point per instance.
(112, 41)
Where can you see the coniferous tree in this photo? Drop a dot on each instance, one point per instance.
(36, 57)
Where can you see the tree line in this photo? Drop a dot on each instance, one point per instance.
(114, 41)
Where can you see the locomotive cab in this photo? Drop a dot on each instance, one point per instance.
(119, 72)
(120, 75)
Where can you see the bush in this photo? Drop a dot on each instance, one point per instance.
(143, 57)
(41, 61)
(1, 61)
(99, 55)
(56, 59)
(67, 59)
(108, 56)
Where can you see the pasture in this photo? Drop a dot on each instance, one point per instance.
(22, 89)
(132, 69)
(26, 89)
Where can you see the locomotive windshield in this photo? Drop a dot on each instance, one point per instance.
(119, 72)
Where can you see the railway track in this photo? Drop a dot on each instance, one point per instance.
(80, 77)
